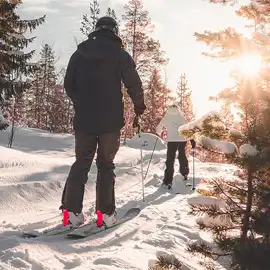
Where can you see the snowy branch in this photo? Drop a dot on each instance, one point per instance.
(220, 146)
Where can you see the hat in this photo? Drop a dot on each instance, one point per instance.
(107, 22)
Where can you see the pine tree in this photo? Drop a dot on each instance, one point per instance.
(156, 96)
(41, 95)
(245, 234)
(48, 82)
(47, 105)
(185, 99)
(67, 105)
(144, 50)
(14, 62)
(137, 25)
(59, 111)
(111, 13)
(89, 21)
(35, 99)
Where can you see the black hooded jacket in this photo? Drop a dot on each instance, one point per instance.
(93, 81)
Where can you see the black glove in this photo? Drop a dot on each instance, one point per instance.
(139, 105)
(193, 143)
(139, 110)
(136, 121)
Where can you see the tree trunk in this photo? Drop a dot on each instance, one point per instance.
(247, 213)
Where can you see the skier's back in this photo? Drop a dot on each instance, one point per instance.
(172, 120)
(93, 81)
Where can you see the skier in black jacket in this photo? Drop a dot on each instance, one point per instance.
(93, 81)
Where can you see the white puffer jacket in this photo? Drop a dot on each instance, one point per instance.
(172, 120)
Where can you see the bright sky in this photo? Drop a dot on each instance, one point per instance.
(175, 23)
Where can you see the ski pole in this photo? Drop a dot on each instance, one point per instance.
(193, 180)
(137, 123)
(151, 157)
(142, 174)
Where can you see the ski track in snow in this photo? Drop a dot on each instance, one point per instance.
(32, 176)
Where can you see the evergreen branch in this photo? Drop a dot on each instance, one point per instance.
(231, 188)
(216, 229)
(211, 210)
(227, 196)
(29, 24)
(226, 243)
(228, 44)
(236, 187)
(220, 229)
(167, 262)
(206, 251)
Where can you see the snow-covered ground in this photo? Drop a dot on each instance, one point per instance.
(32, 176)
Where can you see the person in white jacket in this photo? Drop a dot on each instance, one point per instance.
(172, 120)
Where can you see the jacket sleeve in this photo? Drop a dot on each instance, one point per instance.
(132, 82)
(70, 79)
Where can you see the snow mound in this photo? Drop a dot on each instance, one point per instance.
(221, 146)
(39, 141)
(220, 220)
(206, 219)
(207, 200)
(13, 158)
(147, 141)
(248, 150)
(235, 133)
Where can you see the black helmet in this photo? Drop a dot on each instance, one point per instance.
(107, 23)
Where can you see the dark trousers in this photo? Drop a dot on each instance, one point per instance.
(107, 146)
(172, 147)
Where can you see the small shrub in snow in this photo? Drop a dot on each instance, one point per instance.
(166, 262)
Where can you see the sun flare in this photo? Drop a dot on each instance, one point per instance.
(235, 112)
(249, 65)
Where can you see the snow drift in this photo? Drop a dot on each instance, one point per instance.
(31, 182)
(147, 141)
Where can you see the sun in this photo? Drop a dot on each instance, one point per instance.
(249, 65)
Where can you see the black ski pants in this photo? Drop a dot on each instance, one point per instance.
(107, 146)
(172, 148)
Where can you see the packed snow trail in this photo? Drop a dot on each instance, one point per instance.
(31, 182)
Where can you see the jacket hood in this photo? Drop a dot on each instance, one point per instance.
(173, 111)
(100, 44)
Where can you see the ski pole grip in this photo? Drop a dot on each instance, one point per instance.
(136, 123)
(139, 128)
